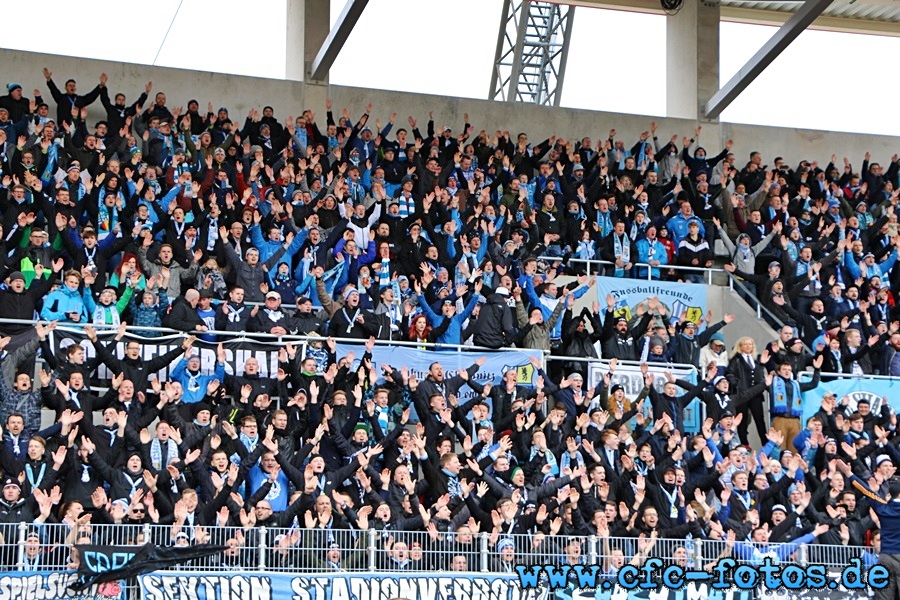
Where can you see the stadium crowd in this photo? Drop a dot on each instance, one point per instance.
(159, 216)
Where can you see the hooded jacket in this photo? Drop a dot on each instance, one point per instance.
(744, 257)
(707, 355)
(177, 273)
(58, 304)
(495, 327)
(249, 276)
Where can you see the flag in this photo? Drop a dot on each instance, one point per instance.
(691, 313)
(99, 564)
(621, 309)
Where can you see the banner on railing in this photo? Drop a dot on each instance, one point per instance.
(855, 388)
(434, 586)
(629, 376)
(47, 585)
(418, 361)
(632, 298)
(277, 586)
(237, 351)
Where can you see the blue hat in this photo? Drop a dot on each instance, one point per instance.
(504, 544)
(13, 86)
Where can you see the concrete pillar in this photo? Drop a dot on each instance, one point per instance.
(307, 25)
(317, 28)
(692, 59)
(295, 32)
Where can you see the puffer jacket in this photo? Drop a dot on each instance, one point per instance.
(63, 301)
(250, 277)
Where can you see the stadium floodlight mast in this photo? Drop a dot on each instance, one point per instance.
(532, 49)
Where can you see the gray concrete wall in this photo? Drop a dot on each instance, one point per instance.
(722, 300)
(290, 98)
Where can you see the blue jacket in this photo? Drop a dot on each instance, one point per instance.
(453, 335)
(280, 492)
(644, 247)
(678, 227)
(194, 386)
(57, 304)
(268, 247)
(879, 269)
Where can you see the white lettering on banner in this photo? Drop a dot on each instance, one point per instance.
(650, 290)
(631, 378)
(433, 586)
(284, 586)
(53, 586)
(236, 352)
(206, 587)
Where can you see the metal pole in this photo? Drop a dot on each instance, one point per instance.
(564, 54)
(593, 554)
(262, 548)
(23, 531)
(515, 72)
(484, 552)
(496, 82)
(371, 549)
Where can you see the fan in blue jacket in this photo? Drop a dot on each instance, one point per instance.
(187, 373)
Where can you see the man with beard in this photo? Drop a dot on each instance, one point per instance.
(620, 341)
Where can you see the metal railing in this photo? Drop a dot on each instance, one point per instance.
(604, 362)
(246, 335)
(707, 271)
(298, 549)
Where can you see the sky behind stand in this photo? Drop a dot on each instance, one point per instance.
(824, 80)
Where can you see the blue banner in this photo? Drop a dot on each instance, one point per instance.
(629, 376)
(684, 301)
(53, 585)
(876, 391)
(418, 361)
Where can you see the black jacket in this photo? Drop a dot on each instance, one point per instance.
(495, 326)
(182, 316)
(136, 371)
